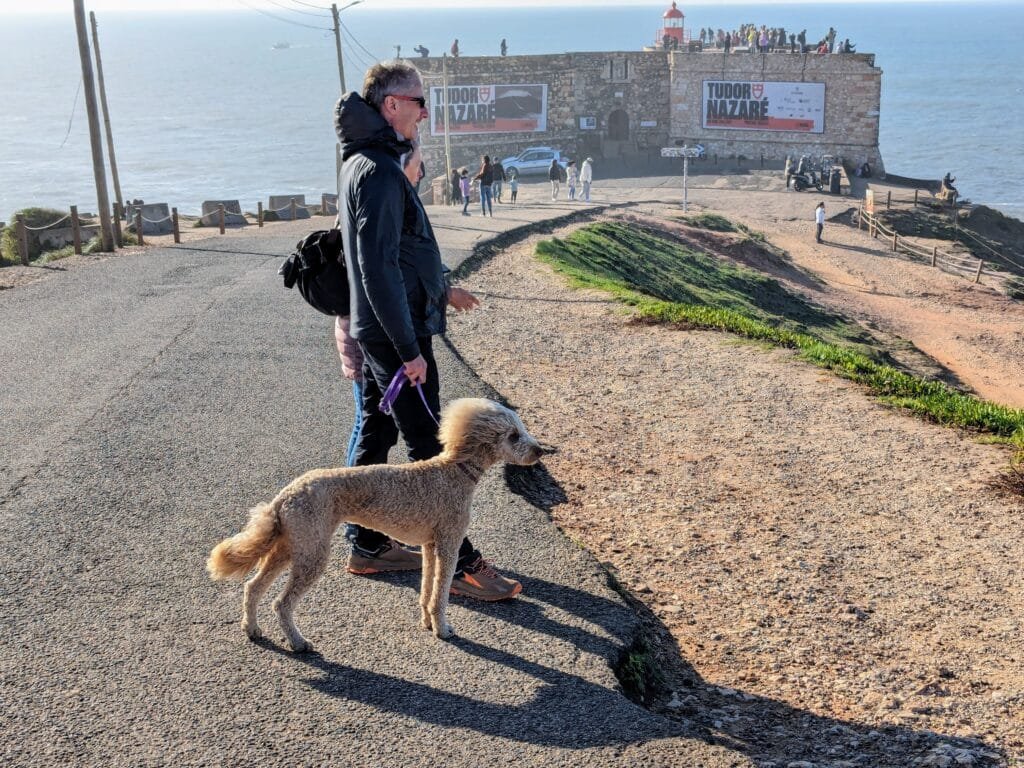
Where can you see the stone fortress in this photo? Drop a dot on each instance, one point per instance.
(625, 104)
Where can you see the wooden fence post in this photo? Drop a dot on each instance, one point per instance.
(176, 225)
(294, 210)
(118, 235)
(22, 234)
(915, 198)
(220, 216)
(76, 231)
(138, 226)
(888, 200)
(894, 236)
(935, 254)
(323, 204)
(977, 277)
(259, 213)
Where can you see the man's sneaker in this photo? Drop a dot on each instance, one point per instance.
(392, 556)
(481, 582)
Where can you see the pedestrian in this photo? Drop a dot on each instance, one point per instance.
(513, 186)
(464, 188)
(486, 179)
(504, 47)
(499, 177)
(819, 220)
(726, 42)
(571, 175)
(586, 176)
(455, 48)
(422, 50)
(399, 301)
(792, 42)
(555, 177)
(455, 181)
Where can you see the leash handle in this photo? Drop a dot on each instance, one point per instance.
(387, 402)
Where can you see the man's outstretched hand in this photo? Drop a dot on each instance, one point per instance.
(461, 299)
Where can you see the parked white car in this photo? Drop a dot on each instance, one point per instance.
(532, 161)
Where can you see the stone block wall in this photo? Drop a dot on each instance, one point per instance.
(621, 103)
(853, 88)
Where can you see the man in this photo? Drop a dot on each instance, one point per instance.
(498, 176)
(819, 220)
(586, 176)
(399, 298)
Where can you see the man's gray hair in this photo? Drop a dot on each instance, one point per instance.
(386, 78)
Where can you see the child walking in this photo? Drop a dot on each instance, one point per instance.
(464, 188)
(513, 187)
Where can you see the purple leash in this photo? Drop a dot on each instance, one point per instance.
(391, 394)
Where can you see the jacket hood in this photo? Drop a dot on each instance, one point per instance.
(358, 126)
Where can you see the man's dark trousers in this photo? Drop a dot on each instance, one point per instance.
(409, 417)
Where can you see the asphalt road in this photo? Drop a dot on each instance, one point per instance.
(147, 402)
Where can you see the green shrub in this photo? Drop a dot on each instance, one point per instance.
(33, 217)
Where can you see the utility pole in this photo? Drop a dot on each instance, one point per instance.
(102, 198)
(398, 52)
(447, 139)
(106, 112)
(337, 39)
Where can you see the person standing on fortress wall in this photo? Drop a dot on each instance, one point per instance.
(727, 41)
(555, 177)
(422, 51)
(455, 48)
(499, 176)
(792, 42)
(586, 176)
(819, 221)
(831, 37)
(504, 49)
(802, 39)
(570, 178)
(486, 179)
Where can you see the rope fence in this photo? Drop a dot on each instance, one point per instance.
(953, 263)
(22, 228)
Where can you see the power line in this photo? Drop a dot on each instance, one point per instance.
(374, 57)
(354, 54)
(310, 5)
(281, 18)
(72, 117)
(298, 10)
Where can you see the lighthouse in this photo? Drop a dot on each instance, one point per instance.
(672, 34)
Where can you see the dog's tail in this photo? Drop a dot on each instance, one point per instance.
(234, 557)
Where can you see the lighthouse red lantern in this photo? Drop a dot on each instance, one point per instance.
(672, 34)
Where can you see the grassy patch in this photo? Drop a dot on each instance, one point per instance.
(668, 283)
(639, 673)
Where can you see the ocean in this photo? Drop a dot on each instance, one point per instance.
(214, 106)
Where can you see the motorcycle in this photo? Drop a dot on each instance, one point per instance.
(806, 180)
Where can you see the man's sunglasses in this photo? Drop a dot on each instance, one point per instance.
(420, 101)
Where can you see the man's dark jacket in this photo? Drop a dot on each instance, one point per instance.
(396, 279)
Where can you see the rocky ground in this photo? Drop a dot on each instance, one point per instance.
(833, 582)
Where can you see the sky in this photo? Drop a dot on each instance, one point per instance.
(65, 6)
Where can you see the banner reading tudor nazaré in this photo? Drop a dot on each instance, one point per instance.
(490, 109)
(761, 106)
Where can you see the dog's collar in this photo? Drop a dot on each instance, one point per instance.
(473, 471)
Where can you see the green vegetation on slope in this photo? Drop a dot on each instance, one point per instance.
(669, 283)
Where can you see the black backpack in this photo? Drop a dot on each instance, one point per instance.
(317, 267)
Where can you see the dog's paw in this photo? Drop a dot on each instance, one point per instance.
(303, 646)
(254, 632)
(425, 623)
(444, 632)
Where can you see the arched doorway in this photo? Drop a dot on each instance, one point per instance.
(618, 126)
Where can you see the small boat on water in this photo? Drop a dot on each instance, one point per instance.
(281, 46)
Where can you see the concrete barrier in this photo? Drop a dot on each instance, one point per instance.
(58, 237)
(151, 212)
(280, 205)
(232, 213)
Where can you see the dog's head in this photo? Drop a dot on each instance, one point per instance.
(486, 432)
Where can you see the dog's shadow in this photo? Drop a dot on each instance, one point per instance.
(748, 724)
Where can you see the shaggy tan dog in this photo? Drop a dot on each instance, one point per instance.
(425, 503)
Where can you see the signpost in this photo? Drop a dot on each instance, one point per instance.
(686, 153)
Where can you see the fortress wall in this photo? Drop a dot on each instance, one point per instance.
(623, 103)
(853, 87)
(589, 85)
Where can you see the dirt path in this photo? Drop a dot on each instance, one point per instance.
(825, 565)
(974, 331)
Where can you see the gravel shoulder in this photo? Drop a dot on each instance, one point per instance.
(818, 560)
